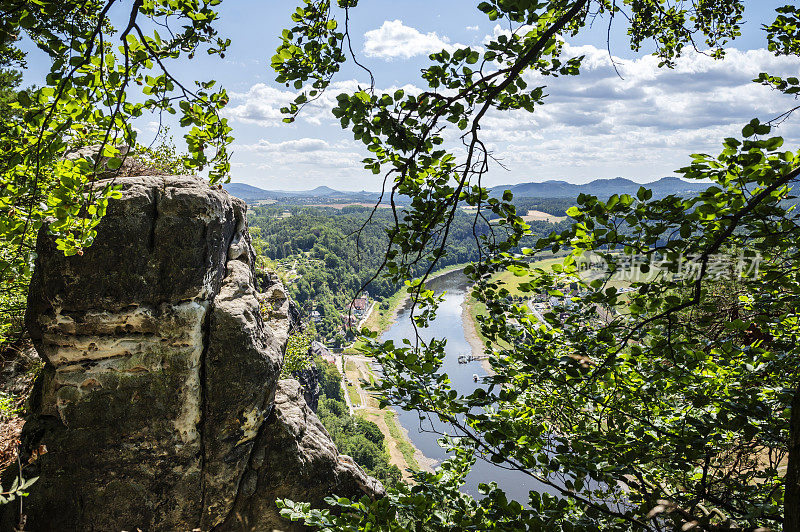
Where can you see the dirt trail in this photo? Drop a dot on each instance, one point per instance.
(369, 410)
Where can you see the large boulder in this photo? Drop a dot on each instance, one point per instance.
(294, 459)
(158, 397)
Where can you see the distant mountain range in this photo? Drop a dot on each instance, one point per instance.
(602, 188)
(251, 193)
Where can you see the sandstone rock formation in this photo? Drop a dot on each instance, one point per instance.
(160, 404)
(309, 385)
(295, 459)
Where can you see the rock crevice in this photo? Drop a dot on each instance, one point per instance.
(160, 403)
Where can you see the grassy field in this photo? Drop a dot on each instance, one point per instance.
(402, 444)
(352, 392)
(353, 374)
(511, 282)
(539, 216)
(381, 318)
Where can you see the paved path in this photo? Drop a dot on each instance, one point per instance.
(366, 315)
(355, 377)
(347, 398)
(538, 314)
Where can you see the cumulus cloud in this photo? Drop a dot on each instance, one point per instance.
(644, 118)
(307, 153)
(262, 103)
(641, 124)
(394, 39)
(304, 145)
(499, 30)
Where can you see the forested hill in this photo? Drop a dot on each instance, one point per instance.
(320, 194)
(602, 188)
(317, 247)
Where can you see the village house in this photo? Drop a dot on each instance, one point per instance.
(359, 306)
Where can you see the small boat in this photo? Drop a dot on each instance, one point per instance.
(463, 359)
(475, 377)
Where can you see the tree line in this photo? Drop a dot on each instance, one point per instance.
(335, 252)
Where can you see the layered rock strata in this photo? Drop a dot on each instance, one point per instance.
(160, 404)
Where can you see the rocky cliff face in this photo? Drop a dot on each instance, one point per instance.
(160, 404)
(309, 384)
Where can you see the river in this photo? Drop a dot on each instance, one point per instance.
(448, 324)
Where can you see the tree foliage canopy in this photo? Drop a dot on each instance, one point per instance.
(672, 406)
(101, 79)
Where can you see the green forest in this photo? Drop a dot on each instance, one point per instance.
(141, 383)
(356, 437)
(333, 253)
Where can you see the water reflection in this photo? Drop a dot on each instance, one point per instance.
(448, 324)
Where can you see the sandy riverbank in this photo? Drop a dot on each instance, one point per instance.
(471, 334)
(470, 327)
(424, 463)
(402, 451)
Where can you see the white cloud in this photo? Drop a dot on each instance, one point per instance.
(394, 39)
(306, 153)
(261, 104)
(646, 123)
(498, 30)
(304, 145)
(642, 125)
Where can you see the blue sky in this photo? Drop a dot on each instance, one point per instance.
(642, 126)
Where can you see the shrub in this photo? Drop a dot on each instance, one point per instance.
(370, 431)
(296, 356)
(330, 380)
